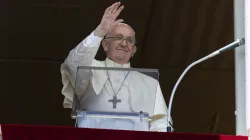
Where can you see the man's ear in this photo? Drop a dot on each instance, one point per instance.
(134, 50)
(105, 44)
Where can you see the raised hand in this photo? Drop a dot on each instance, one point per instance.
(109, 21)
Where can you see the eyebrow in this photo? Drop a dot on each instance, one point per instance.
(122, 35)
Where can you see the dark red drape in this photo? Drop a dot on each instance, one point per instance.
(34, 132)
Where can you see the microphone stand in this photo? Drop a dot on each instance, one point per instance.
(235, 44)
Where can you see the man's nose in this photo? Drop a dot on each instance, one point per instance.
(124, 43)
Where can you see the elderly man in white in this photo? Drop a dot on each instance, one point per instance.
(134, 91)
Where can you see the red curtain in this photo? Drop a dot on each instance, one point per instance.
(33, 132)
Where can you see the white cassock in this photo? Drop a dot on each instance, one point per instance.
(138, 92)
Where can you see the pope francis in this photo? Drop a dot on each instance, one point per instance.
(112, 90)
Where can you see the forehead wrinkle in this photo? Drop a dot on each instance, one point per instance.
(115, 32)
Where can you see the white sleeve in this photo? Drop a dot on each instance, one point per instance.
(160, 109)
(82, 55)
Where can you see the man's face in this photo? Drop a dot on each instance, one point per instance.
(120, 44)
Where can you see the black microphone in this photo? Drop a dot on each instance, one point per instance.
(230, 46)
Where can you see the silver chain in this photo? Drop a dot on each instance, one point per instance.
(111, 82)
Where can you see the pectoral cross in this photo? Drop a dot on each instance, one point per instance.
(115, 101)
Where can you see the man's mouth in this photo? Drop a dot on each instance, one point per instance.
(122, 49)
